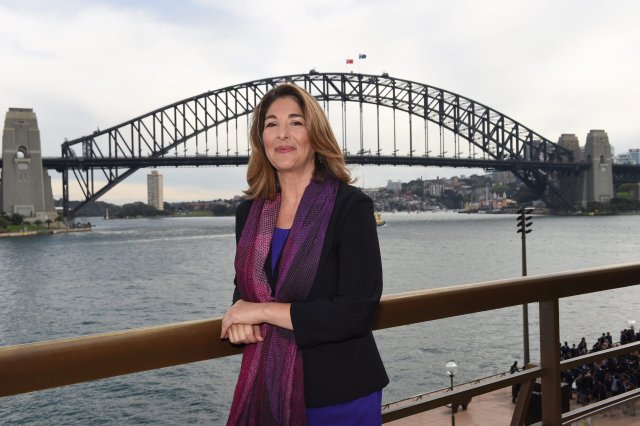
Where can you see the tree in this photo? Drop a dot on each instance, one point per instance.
(451, 199)
(628, 191)
(48, 222)
(37, 222)
(16, 219)
(137, 209)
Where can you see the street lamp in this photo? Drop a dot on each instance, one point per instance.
(523, 225)
(452, 369)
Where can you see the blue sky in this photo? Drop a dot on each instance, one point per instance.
(556, 66)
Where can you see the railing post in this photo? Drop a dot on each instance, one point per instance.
(550, 362)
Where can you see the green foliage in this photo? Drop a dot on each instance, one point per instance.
(92, 209)
(499, 188)
(627, 187)
(16, 219)
(451, 199)
(223, 210)
(137, 209)
(623, 205)
(594, 206)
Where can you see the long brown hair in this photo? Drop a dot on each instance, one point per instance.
(261, 175)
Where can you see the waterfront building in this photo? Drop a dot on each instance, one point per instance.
(434, 189)
(154, 190)
(394, 186)
(631, 157)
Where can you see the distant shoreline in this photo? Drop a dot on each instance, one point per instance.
(43, 232)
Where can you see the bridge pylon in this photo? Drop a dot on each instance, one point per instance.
(572, 182)
(25, 186)
(595, 183)
(599, 177)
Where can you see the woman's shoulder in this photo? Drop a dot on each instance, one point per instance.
(352, 203)
(350, 194)
(242, 212)
(243, 208)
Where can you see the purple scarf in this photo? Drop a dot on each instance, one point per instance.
(270, 385)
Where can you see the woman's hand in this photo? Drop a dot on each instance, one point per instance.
(242, 312)
(244, 334)
(248, 314)
(242, 316)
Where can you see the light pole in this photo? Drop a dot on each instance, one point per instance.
(452, 369)
(524, 222)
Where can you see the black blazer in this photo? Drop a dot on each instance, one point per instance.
(332, 327)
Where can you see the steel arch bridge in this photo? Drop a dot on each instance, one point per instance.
(184, 133)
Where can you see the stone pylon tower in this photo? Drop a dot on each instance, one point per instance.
(599, 178)
(572, 185)
(25, 185)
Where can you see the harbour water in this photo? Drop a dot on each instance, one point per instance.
(134, 273)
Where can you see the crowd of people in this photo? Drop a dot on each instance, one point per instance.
(606, 378)
(602, 379)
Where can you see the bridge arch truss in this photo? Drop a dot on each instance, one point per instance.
(210, 123)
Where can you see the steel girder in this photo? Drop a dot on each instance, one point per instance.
(626, 173)
(154, 135)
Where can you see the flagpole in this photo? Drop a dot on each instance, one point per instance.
(361, 56)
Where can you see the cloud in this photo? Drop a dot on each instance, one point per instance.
(556, 67)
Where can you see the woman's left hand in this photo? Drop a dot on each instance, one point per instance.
(244, 334)
(241, 312)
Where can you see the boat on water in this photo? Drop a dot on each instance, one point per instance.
(378, 217)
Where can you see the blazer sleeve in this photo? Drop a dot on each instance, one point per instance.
(350, 312)
(242, 212)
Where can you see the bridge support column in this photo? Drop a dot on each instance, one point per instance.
(572, 183)
(26, 186)
(599, 178)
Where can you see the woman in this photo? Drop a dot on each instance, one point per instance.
(308, 276)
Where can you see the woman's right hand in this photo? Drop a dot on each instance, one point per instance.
(244, 334)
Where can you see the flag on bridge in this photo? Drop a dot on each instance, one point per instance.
(362, 56)
(349, 61)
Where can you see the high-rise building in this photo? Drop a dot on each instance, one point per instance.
(154, 190)
(631, 157)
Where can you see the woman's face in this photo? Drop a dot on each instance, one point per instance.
(286, 140)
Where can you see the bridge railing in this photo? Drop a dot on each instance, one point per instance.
(37, 366)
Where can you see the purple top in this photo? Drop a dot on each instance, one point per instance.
(360, 411)
(277, 243)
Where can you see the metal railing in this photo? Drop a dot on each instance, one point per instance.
(37, 366)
